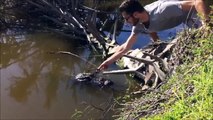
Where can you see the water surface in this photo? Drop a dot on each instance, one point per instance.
(38, 85)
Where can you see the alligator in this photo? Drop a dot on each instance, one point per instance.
(93, 79)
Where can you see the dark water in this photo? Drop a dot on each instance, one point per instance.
(38, 85)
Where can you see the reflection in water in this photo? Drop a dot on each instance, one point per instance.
(23, 85)
(31, 58)
(30, 75)
(52, 86)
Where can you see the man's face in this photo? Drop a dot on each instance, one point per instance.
(130, 18)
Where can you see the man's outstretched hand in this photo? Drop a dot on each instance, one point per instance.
(103, 66)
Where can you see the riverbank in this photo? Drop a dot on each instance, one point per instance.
(188, 94)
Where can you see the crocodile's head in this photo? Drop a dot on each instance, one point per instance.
(93, 79)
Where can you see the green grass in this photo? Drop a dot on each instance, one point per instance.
(197, 106)
(192, 87)
(188, 94)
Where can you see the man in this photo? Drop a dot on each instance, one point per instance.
(157, 16)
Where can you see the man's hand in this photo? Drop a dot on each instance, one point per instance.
(154, 36)
(103, 66)
(120, 51)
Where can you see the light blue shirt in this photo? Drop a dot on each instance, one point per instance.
(163, 15)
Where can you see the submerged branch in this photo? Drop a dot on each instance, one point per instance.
(72, 54)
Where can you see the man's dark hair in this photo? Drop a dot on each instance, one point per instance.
(131, 6)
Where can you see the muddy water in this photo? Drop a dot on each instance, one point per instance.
(38, 85)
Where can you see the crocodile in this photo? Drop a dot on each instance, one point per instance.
(93, 79)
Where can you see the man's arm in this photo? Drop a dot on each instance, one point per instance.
(119, 52)
(154, 36)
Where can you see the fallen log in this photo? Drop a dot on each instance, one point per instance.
(72, 16)
(150, 64)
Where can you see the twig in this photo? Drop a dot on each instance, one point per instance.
(165, 65)
(72, 54)
(146, 61)
(160, 73)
